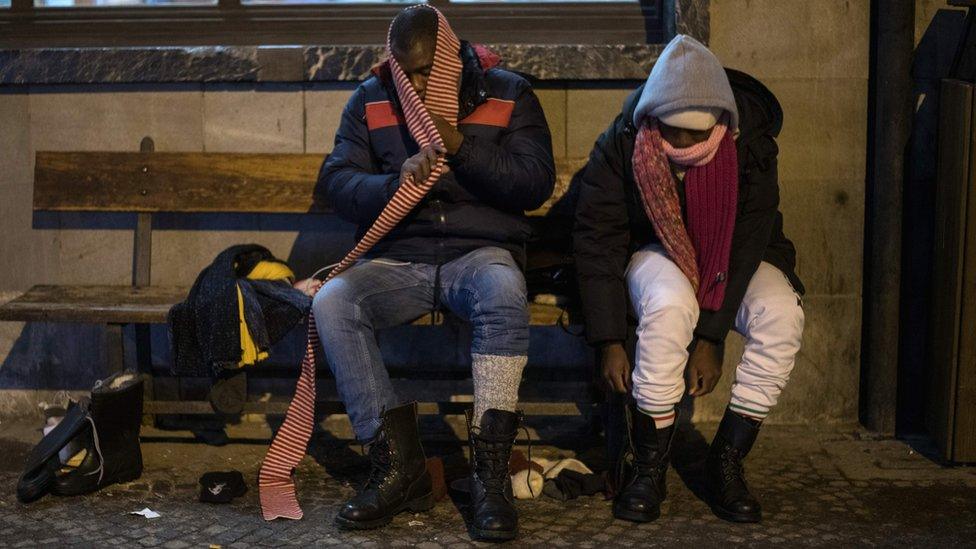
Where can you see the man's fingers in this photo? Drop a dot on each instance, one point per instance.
(621, 380)
(433, 154)
(417, 173)
(693, 381)
(709, 384)
(624, 382)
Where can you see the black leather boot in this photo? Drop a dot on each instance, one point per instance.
(642, 487)
(493, 514)
(398, 478)
(112, 449)
(44, 462)
(729, 496)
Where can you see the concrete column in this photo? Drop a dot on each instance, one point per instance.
(889, 127)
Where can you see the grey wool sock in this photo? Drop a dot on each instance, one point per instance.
(496, 382)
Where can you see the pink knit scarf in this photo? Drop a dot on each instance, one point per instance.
(702, 247)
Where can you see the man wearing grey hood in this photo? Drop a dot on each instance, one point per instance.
(678, 211)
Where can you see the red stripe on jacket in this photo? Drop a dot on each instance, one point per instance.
(493, 112)
(381, 114)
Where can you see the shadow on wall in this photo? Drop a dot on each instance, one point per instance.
(932, 62)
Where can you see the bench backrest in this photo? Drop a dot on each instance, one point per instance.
(176, 182)
(192, 182)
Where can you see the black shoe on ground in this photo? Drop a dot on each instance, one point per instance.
(729, 496)
(112, 452)
(642, 485)
(398, 478)
(493, 514)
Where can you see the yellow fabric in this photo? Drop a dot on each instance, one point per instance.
(250, 354)
(271, 270)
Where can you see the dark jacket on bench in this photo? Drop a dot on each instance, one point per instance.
(503, 168)
(205, 330)
(611, 223)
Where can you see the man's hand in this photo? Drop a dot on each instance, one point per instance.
(308, 286)
(451, 136)
(415, 169)
(704, 367)
(616, 368)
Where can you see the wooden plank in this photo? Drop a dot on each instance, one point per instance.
(175, 182)
(96, 304)
(142, 251)
(127, 304)
(194, 182)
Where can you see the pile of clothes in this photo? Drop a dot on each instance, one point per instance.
(561, 479)
(239, 306)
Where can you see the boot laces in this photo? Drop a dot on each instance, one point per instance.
(381, 462)
(98, 449)
(491, 457)
(732, 470)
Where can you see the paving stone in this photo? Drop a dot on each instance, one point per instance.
(795, 471)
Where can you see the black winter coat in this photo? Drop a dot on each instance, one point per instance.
(611, 223)
(503, 168)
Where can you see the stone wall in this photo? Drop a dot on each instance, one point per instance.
(813, 55)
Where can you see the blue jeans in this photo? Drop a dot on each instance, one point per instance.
(484, 287)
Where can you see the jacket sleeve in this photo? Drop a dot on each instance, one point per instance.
(757, 208)
(349, 178)
(518, 172)
(601, 239)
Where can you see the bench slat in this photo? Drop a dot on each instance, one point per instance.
(95, 304)
(194, 182)
(175, 182)
(149, 305)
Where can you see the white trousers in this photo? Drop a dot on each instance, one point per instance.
(770, 318)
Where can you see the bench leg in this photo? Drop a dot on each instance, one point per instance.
(144, 365)
(115, 348)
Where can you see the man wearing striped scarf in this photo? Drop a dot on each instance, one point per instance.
(461, 247)
(678, 212)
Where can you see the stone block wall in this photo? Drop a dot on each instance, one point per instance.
(812, 54)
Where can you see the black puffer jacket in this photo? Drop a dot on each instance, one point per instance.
(611, 223)
(503, 168)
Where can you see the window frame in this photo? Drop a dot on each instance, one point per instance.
(230, 22)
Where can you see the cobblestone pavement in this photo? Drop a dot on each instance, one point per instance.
(837, 487)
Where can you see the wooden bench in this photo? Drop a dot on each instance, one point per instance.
(147, 183)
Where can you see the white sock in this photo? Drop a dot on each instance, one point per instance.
(496, 382)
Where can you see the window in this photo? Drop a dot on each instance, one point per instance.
(117, 3)
(106, 23)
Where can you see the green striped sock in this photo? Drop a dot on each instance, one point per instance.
(749, 410)
(663, 416)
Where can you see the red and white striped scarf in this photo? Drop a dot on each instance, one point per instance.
(277, 489)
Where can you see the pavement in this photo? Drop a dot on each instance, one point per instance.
(828, 486)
